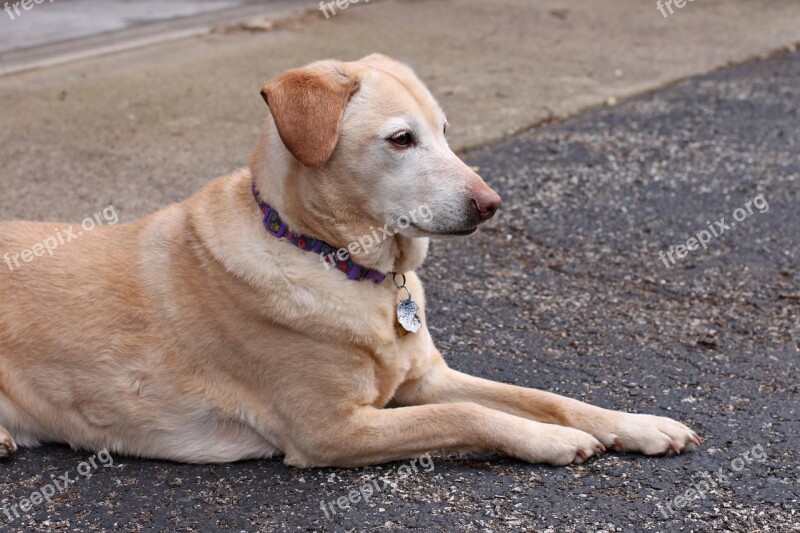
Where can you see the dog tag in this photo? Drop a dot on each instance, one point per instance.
(407, 315)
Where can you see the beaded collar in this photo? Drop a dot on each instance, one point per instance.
(328, 254)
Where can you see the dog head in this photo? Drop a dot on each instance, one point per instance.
(374, 137)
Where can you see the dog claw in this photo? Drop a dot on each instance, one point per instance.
(675, 448)
(618, 444)
(697, 439)
(581, 454)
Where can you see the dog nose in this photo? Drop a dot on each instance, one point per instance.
(487, 202)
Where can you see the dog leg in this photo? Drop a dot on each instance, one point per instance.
(369, 435)
(650, 435)
(7, 444)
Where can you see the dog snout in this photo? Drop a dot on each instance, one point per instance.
(486, 202)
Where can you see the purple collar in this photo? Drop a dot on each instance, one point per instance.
(327, 253)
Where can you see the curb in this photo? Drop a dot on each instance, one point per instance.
(246, 18)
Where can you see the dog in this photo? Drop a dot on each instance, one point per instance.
(254, 319)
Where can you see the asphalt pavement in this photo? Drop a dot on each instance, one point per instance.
(565, 290)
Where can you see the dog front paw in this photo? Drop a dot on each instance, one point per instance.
(559, 445)
(649, 435)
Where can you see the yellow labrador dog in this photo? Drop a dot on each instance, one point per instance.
(256, 319)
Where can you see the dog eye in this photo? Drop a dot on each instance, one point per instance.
(402, 138)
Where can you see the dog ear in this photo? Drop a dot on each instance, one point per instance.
(307, 105)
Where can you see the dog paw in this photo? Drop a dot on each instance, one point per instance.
(650, 435)
(559, 446)
(7, 445)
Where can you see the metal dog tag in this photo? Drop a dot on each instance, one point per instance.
(407, 315)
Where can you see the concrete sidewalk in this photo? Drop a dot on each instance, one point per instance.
(150, 126)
